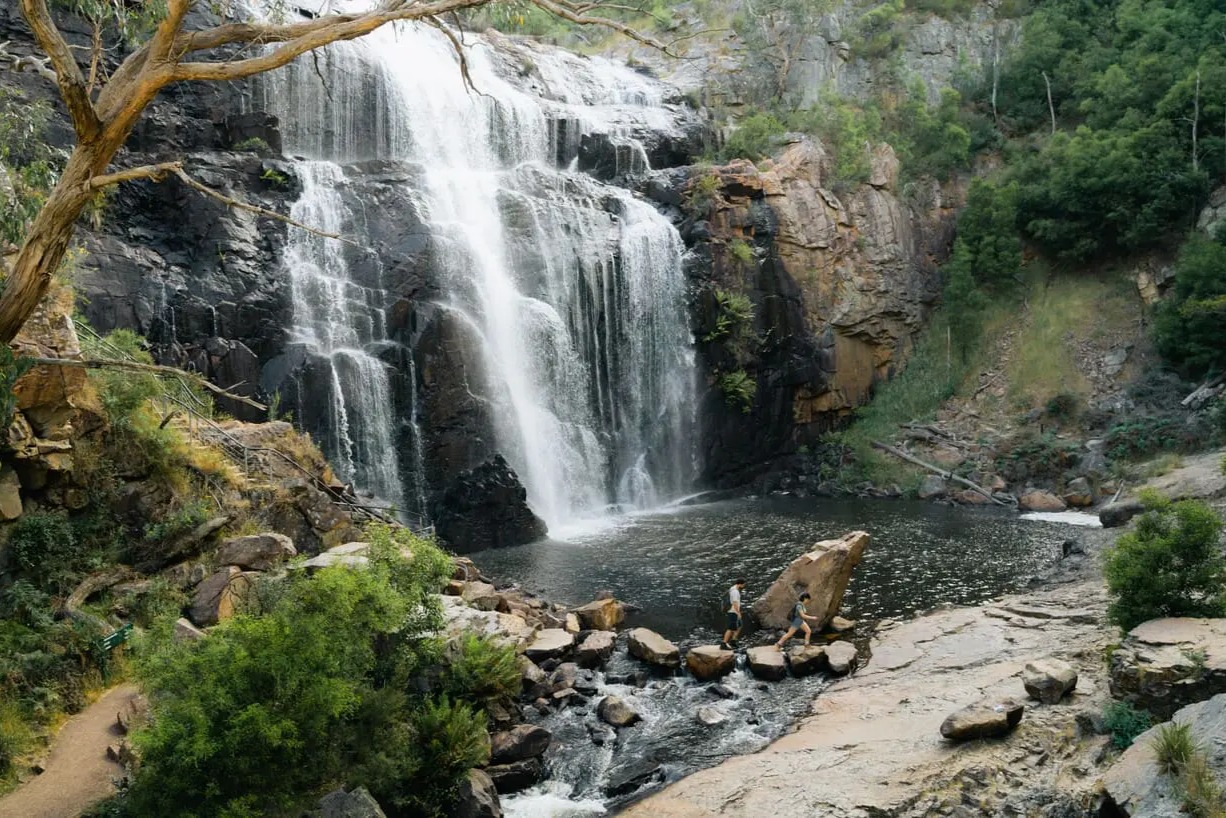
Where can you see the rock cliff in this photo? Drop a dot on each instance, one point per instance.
(840, 284)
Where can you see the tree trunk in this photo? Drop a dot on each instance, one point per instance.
(47, 241)
(1051, 108)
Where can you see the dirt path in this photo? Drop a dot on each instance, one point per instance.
(78, 774)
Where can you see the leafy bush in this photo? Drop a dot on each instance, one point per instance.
(741, 251)
(1124, 722)
(478, 670)
(184, 519)
(45, 548)
(1062, 407)
(1171, 565)
(271, 708)
(702, 194)
(1035, 457)
(733, 319)
(125, 392)
(756, 137)
(1188, 323)
(1143, 435)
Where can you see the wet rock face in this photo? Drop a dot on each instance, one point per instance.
(487, 508)
(840, 285)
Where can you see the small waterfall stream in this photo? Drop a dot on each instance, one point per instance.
(573, 288)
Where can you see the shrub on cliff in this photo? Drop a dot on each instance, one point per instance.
(1171, 565)
(270, 709)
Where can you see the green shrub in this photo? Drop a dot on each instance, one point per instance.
(756, 137)
(1188, 323)
(742, 252)
(1199, 792)
(1171, 565)
(124, 392)
(1062, 407)
(178, 522)
(733, 320)
(271, 708)
(45, 548)
(478, 670)
(1173, 747)
(1124, 722)
(702, 193)
(1142, 435)
(254, 144)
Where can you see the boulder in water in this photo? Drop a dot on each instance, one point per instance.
(709, 662)
(805, 661)
(551, 643)
(710, 716)
(487, 507)
(596, 649)
(616, 711)
(1118, 514)
(601, 615)
(653, 648)
(931, 487)
(824, 572)
(633, 775)
(841, 656)
(1038, 500)
(986, 719)
(1079, 493)
(1048, 680)
(516, 776)
(520, 742)
(477, 797)
(767, 663)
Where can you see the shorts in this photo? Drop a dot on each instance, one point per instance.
(797, 622)
(734, 621)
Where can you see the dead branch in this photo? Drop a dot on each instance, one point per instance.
(159, 172)
(40, 65)
(948, 475)
(102, 363)
(92, 584)
(67, 72)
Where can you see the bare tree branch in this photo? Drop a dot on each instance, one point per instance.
(67, 72)
(98, 363)
(157, 173)
(41, 65)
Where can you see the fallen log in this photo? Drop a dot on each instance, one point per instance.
(948, 475)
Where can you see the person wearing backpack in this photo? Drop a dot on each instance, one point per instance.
(734, 615)
(800, 621)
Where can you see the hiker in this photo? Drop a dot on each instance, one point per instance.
(800, 621)
(734, 615)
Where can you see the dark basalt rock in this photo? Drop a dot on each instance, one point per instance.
(487, 507)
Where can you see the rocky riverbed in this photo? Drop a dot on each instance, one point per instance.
(872, 746)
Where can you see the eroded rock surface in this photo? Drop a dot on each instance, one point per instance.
(1165, 664)
(653, 648)
(709, 662)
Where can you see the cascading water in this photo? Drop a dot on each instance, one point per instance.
(573, 288)
(337, 320)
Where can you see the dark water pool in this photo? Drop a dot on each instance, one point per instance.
(675, 566)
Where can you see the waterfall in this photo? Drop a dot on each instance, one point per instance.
(574, 288)
(336, 320)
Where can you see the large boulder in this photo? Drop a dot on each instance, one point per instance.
(257, 552)
(520, 742)
(709, 662)
(807, 660)
(1134, 785)
(356, 804)
(767, 663)
(1079, 493)
(550, 643)
(931, 487)
(617, 711)
(219, 597)
(516, 776)
(987, 719)
(1118, 514)
(487, 507)
(601, 615)
(596, 649)
(841, 657)
(477, 797)
(1038, 500)
(653, 648)
(535, 682)
(1165, 664)
(824, 572)
(1049, 680)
